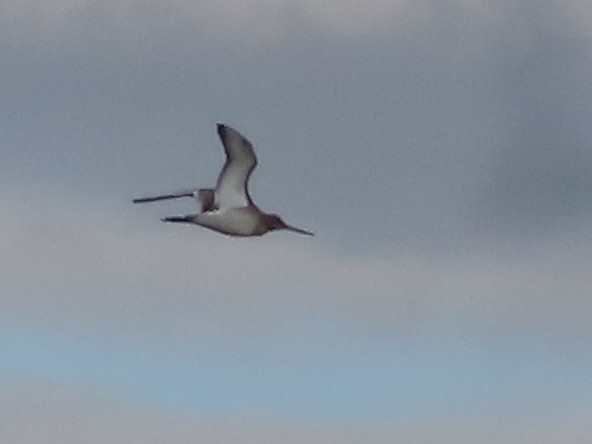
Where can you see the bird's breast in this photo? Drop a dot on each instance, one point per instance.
(243, 221)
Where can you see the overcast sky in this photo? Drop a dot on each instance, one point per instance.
(440, 150)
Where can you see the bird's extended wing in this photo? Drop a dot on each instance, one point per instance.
(232, 186)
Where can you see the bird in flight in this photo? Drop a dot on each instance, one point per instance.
(228, 208)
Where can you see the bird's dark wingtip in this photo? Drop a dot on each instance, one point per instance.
(221, 128)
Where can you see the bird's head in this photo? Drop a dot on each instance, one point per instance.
(274, 222)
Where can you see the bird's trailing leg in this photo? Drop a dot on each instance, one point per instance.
(204, 197)
(177, 195)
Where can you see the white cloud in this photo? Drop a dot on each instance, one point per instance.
(581, 12)
(91, 265)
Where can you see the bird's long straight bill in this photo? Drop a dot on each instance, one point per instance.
(298, 230)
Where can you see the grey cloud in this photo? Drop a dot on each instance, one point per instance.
(542, 171)
(467, 118)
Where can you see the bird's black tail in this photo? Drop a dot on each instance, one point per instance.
(179, 219)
